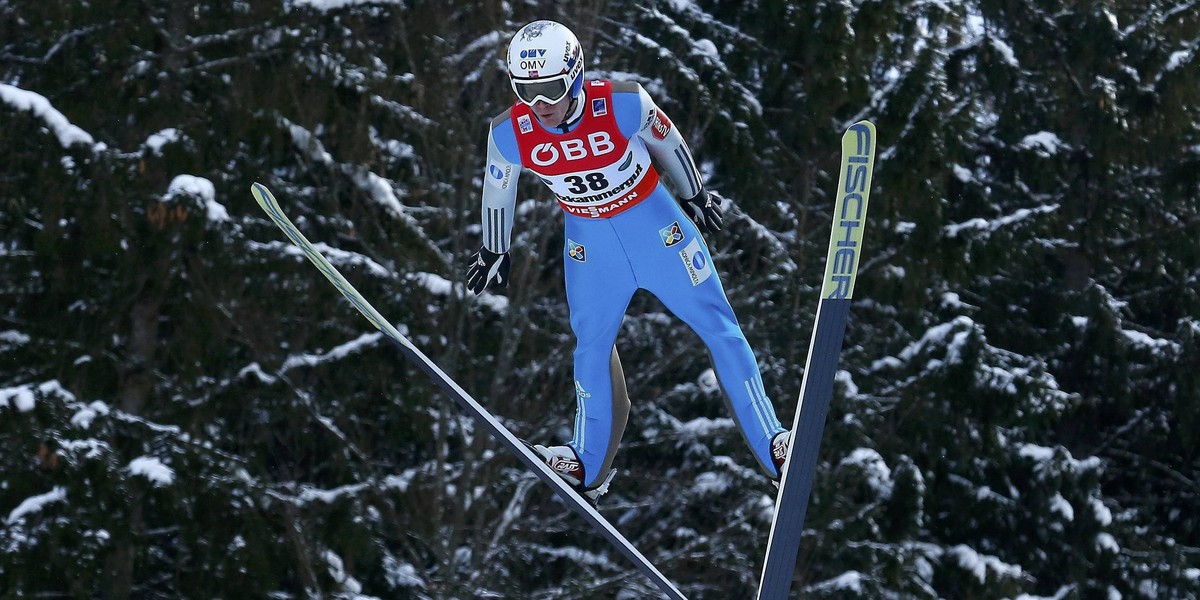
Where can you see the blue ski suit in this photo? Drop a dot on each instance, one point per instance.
(624, 232)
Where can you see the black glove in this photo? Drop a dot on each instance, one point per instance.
(487, 266)
(704, 209)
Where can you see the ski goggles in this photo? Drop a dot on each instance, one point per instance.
(550, 90)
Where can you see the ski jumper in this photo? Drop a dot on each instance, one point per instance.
(624, 232)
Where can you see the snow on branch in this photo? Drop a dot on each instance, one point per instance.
(1156, 346)
(1050, 462)
(1045, 143)
(377, 188)
(440, 286)
(330, 5)
(337, 353)
(12, 338)
(152, 469)
(850, 581)
(344, 260)
(201, 188)
(1179, 58)
(35, 504)
(874, 470)
(980, 564)
(23, 397)
(988, 227)
(67, 133)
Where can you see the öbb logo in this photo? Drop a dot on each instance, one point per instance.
(547, 153)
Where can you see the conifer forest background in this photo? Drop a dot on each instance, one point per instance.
(189, 410)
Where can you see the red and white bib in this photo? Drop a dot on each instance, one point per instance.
(594, 170)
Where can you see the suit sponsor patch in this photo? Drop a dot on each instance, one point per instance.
(671, 235)
(576, 251)
(660, 126)
(696, 262)
(499, 176)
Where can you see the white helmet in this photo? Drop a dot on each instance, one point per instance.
(545, 62)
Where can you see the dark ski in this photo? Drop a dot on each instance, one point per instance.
(841, 268)
(268, 203)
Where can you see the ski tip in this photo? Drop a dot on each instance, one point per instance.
(863, 128)
(262, 195)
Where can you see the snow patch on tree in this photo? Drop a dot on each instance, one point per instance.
(1005, 51)
(153, 469)
(705, 426)
(331, 5)
(401, 574)
(711, 483)
(873, 468)
(86, 414)
(1101, 512)
(35, 504)
(351, 587)
(1052, 462)
(1044, 143)
(201, 189)
(1105, 542)
(1178, 59)
(1157, 346)
(157, 140)
(980, 565)
(1059, 505)
(12, 337)
(850, 581)
(989, 226)
(20, 397)
(24, 397)
(62, 128)
(338, 352)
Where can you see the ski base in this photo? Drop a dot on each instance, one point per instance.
(816, 391)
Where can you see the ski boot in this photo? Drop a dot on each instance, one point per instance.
(563, 461)
(779, 453)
